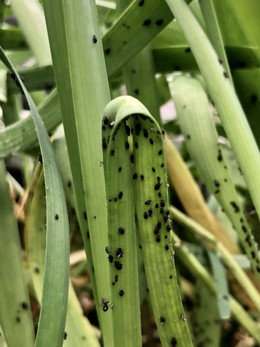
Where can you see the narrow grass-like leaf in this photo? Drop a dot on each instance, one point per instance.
(15, 314)
(82, 84)
(221, 285)
(213, 30)
(195, 119)
(56, 270)
(31, 19)
(222, 93)
(78, 330)
(149, 181)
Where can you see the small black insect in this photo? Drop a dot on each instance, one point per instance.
(120, 195)
(151, 141)
(112, 152)
(145, 215)
(159, 22)
(104, 304)
(105, 120)
(166, 247)
(24, 305)
(121, 230)
(160, 152)
(138, 125)
(142, 177)
(119, 253)
(141, 3)
(217, 184)
(148, 202)
(162, 319)
(118, 265)
(168, 228)
(174, 341)
(234, 205)
(110, 258)
(121, 292)
(132, 158)
(153, 169)
(225, 74)
(145, 132)
(158, 238)
(135, 176)
(147, 22)
(65, 336)
(162, 203)
(94, 39)
(119, 169)
(220, 61)
(57, 216)
(107, 249)
(151, 212)
(157, 186)
(40, 158)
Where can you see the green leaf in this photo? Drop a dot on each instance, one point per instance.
(56, 270)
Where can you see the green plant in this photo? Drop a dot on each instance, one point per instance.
(111, 162)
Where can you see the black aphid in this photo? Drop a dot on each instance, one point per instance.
(121, 230)
(142, 177)
(110, 258)
(119, 169)
(116, 278)
(112, 152)
(165, 218)
(126, 145)
(253, 254)
(153, 169)
(120, 195)
(132, 158)
(18, 319)
(24, 305)
(166, 247)
(94, 39)
(234, 205)
(148, 202)
(158, 179)
(159, 22)
(168, 228)
(220, 61)
(160, 152)
(219, 157)
(244, 229)
(136, 91)
(141, 3)
(140, 246)
(151, 212)
(157, 186)
(128, 131)
(147, 22)
(174, 341)
(105, 120)
(107, 249)
(188, 137)
(104, 304)
(216, 183)
(145, 133)
(156, 205)
(162, 203)
(121, 292)
(69, 184)
(40, 158)
(107, 50)
(137, 128)
(85, 215)
(119, 253)
(134, 176)
(161, 210)
(36, 270)
(162, 165)
(145, 215)
(167, 212)
(162, 319)
(151, 141)
(160, 195)
(118, 265)
(225, 74)
(158, 238)
(57, 216)
(136, 145)
(104, 144)
(65, 335)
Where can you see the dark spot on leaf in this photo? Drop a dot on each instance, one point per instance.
(142, 177)
(141, 3)
(220, 61)
(145, 132)
(24, 305)
(121, 230)
(159, 22)
(158, 238)
(174, 341)
(151, 141)
(153, 169)
(85, 215)
(132, 158)
(40, 158)
(120, 195)
(187, 50)
(147, 22)
(162, 319)
(121, 292)
(134, 176)
(107, 50)
(234, 205)
(166, 247)
(146, 215)
(148, 202)
(225, 74)
(118, 265)
(136, 91)
(253, 98)
(119, 169)
(216, 183)
(65, 335)
(56, 216)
